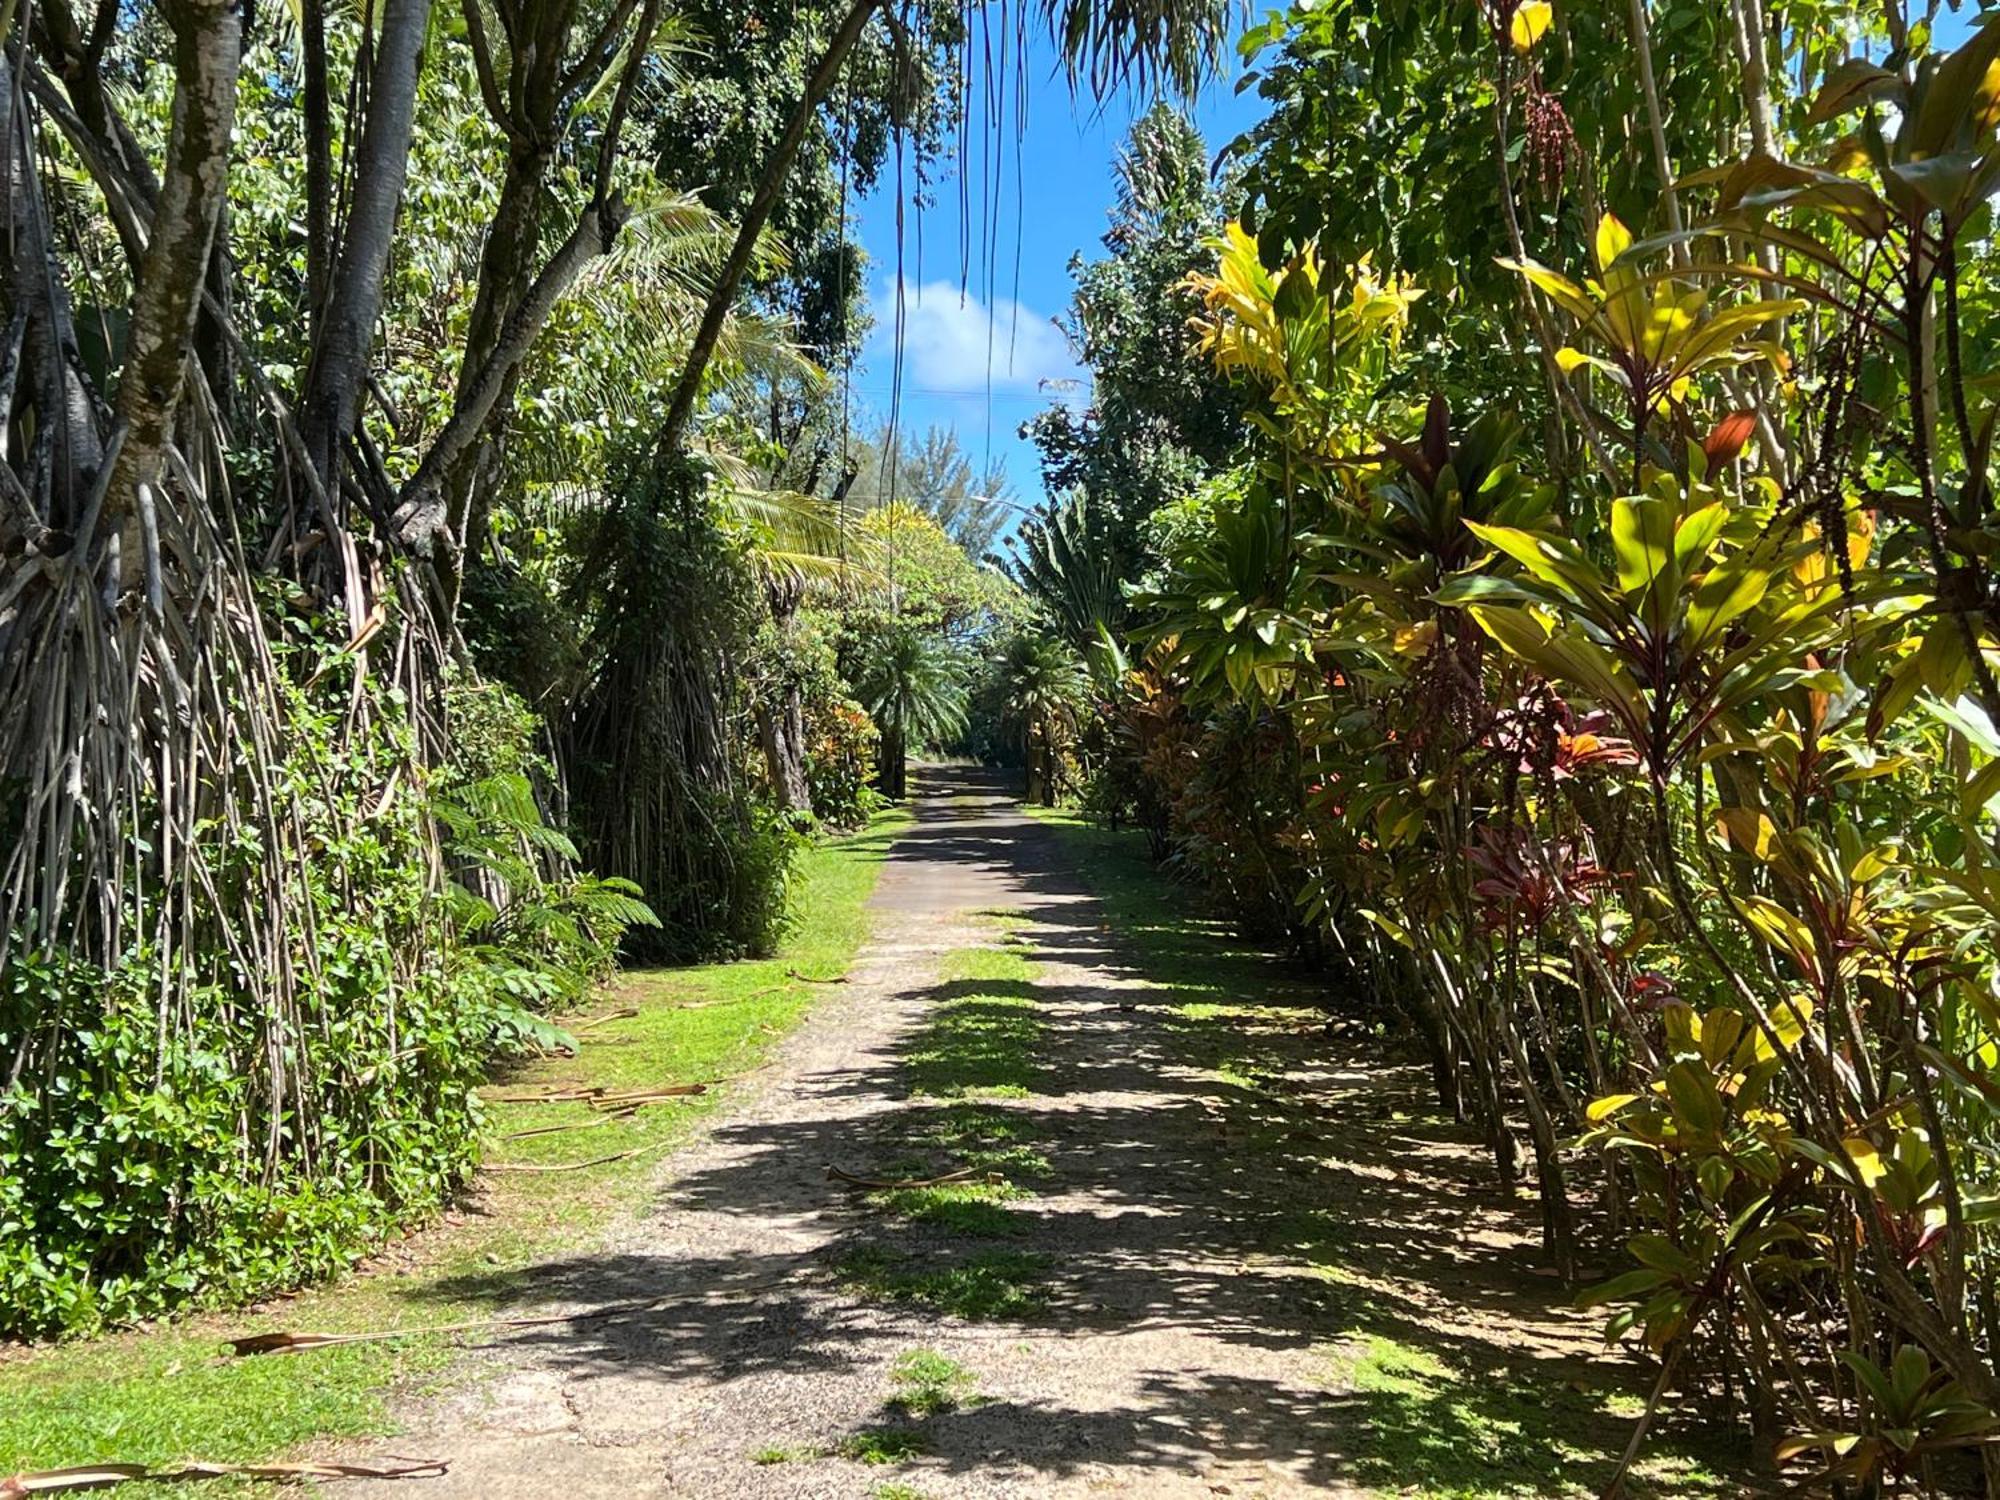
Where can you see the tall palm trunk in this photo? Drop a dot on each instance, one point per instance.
(892, 774)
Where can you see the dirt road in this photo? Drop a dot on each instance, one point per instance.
(1198, 1313)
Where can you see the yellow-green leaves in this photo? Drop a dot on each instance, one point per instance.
(1865, 1160)
(1659, 333)
(1286, 330)
(1750, 831)
(1531, 20)
(1612, 240)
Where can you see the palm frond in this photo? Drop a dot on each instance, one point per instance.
(1144, 45)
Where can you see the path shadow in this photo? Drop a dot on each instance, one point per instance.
(1338, 1216)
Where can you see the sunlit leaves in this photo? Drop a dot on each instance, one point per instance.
(1531, 20)
(1657, 334)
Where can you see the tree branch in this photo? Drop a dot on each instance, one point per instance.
(482, 64)
(421, 515)
(207, 53)
(598, 55)
(354, 301)
(722, 296)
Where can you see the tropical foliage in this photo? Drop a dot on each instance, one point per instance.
(430, 570)
(1584, 647)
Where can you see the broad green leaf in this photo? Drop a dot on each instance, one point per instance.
(1731, 590)
(1395, 930)
(1659, 1253)
(1618, 1288)
(1750, 831)
(1642, 541)
(1559, 289)
(1554, 561)
(1696, 1103)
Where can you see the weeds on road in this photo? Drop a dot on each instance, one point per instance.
(977, 1050)
(883, 1445)
(980, 1041)
(986, 1284)
(928, 1382)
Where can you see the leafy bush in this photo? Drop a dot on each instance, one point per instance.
(737, 902)
(841, 741)
(211, 1151)
(534, 932)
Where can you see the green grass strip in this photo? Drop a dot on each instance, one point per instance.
(161, 1395)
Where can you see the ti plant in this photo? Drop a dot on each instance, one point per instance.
(1652, 335)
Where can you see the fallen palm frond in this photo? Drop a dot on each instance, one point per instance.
(638, 1097)
(626, 1014)
(590, 1124)
(299, 1343)
(969, 1174)
(103, 1476)
(744, 999)
(566, 1166)
(563, 1094)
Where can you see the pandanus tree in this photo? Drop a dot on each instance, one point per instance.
(798, 545)
(221, 683)
(129, 505)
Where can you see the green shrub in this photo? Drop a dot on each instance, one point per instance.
(533, 931)
(168, 1141)
(841, 741)
(737, 903)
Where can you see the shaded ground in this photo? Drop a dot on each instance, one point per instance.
(1217, 1255)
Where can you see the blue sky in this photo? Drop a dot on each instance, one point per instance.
(1066, 174)
(1066, 163)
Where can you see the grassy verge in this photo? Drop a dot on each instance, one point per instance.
(973, 1056)
(162, 1395)
(1439, 1385)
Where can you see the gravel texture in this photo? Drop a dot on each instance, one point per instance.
(1176, 1352)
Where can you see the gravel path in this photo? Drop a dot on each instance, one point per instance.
(1177, 1353)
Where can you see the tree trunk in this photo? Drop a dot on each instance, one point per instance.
(722, 296)
(339, 368)
(443, 511)
(781, 726)
(207, 50)
(890, 776)
(426, 520)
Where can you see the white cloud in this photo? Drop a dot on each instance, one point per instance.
(948, 340)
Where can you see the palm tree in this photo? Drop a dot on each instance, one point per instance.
(1106, 45)
(915, 688)
(1045, 684)
(1066, 560)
